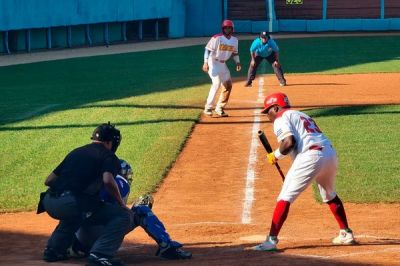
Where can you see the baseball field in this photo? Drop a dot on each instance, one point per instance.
(213, 188)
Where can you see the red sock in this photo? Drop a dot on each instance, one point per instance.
(280, 214)
(337, 209)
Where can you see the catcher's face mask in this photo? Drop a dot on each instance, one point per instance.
(126, 171)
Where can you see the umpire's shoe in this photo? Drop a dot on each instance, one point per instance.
(98, 260)
(51, 255)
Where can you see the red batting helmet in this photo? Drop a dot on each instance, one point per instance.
(277, 98)
(227, 23)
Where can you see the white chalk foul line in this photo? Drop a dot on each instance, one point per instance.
(250, 175)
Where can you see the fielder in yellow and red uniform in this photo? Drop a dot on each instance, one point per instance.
(218, 50)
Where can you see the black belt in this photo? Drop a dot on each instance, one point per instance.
(57, 194)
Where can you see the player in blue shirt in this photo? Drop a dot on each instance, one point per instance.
(264, 47)
(142, 215)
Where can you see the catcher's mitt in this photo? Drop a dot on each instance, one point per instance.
(146, 200)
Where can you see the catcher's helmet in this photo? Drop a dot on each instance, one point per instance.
(277, 98)
(227, 23)
(107, 132)
(126, 171)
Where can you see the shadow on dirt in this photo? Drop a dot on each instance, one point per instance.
(24, 249)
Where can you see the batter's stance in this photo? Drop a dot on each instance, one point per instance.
(313, 159)
(218, 50)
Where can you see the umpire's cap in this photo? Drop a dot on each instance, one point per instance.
(264, 34)
(107, 132)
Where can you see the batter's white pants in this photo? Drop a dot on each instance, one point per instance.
(219, 74)
(308, 166)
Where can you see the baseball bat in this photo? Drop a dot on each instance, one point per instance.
(268, 148)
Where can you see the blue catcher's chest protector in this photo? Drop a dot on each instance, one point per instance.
(123, 187)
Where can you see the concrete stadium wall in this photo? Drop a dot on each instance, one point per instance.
(28, 14)
(35, 24)
(203, 18)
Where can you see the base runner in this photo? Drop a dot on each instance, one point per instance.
(220, 49)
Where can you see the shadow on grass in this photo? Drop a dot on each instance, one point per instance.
(349, 110)
(46, 87)
(310, 55)
(141, 106)
(325, 111)
(5, 128)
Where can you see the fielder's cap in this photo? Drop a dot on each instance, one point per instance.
(264, 34)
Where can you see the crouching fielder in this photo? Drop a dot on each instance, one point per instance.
(313, 159)
(143, 217)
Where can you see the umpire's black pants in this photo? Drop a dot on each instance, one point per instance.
(251, 75)
(67, 208)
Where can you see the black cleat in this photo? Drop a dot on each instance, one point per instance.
(221, 113)
(174, 253)
(77, 250)
(50, 255)
(207, 112)
(94, 260)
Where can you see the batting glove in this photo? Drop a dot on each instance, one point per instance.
(271, 158)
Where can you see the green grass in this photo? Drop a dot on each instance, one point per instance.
(155, 98)
(367, 140)
(153, 135)
(336, 55)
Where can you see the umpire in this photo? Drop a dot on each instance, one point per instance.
(264, 47)
(73, 196)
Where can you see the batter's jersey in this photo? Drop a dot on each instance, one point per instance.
(303, 128)
(221, 48)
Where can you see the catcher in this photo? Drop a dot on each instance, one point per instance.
(143, 216)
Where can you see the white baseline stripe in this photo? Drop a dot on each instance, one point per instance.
(250, 176)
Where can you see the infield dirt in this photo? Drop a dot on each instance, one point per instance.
(201, 200)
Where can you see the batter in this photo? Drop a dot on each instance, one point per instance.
(313, 159)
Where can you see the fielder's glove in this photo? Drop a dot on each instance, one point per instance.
(145, 200)
(271, 158)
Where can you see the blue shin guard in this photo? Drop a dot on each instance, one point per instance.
(145, 218)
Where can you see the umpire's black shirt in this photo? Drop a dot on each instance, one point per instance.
(84, 166)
